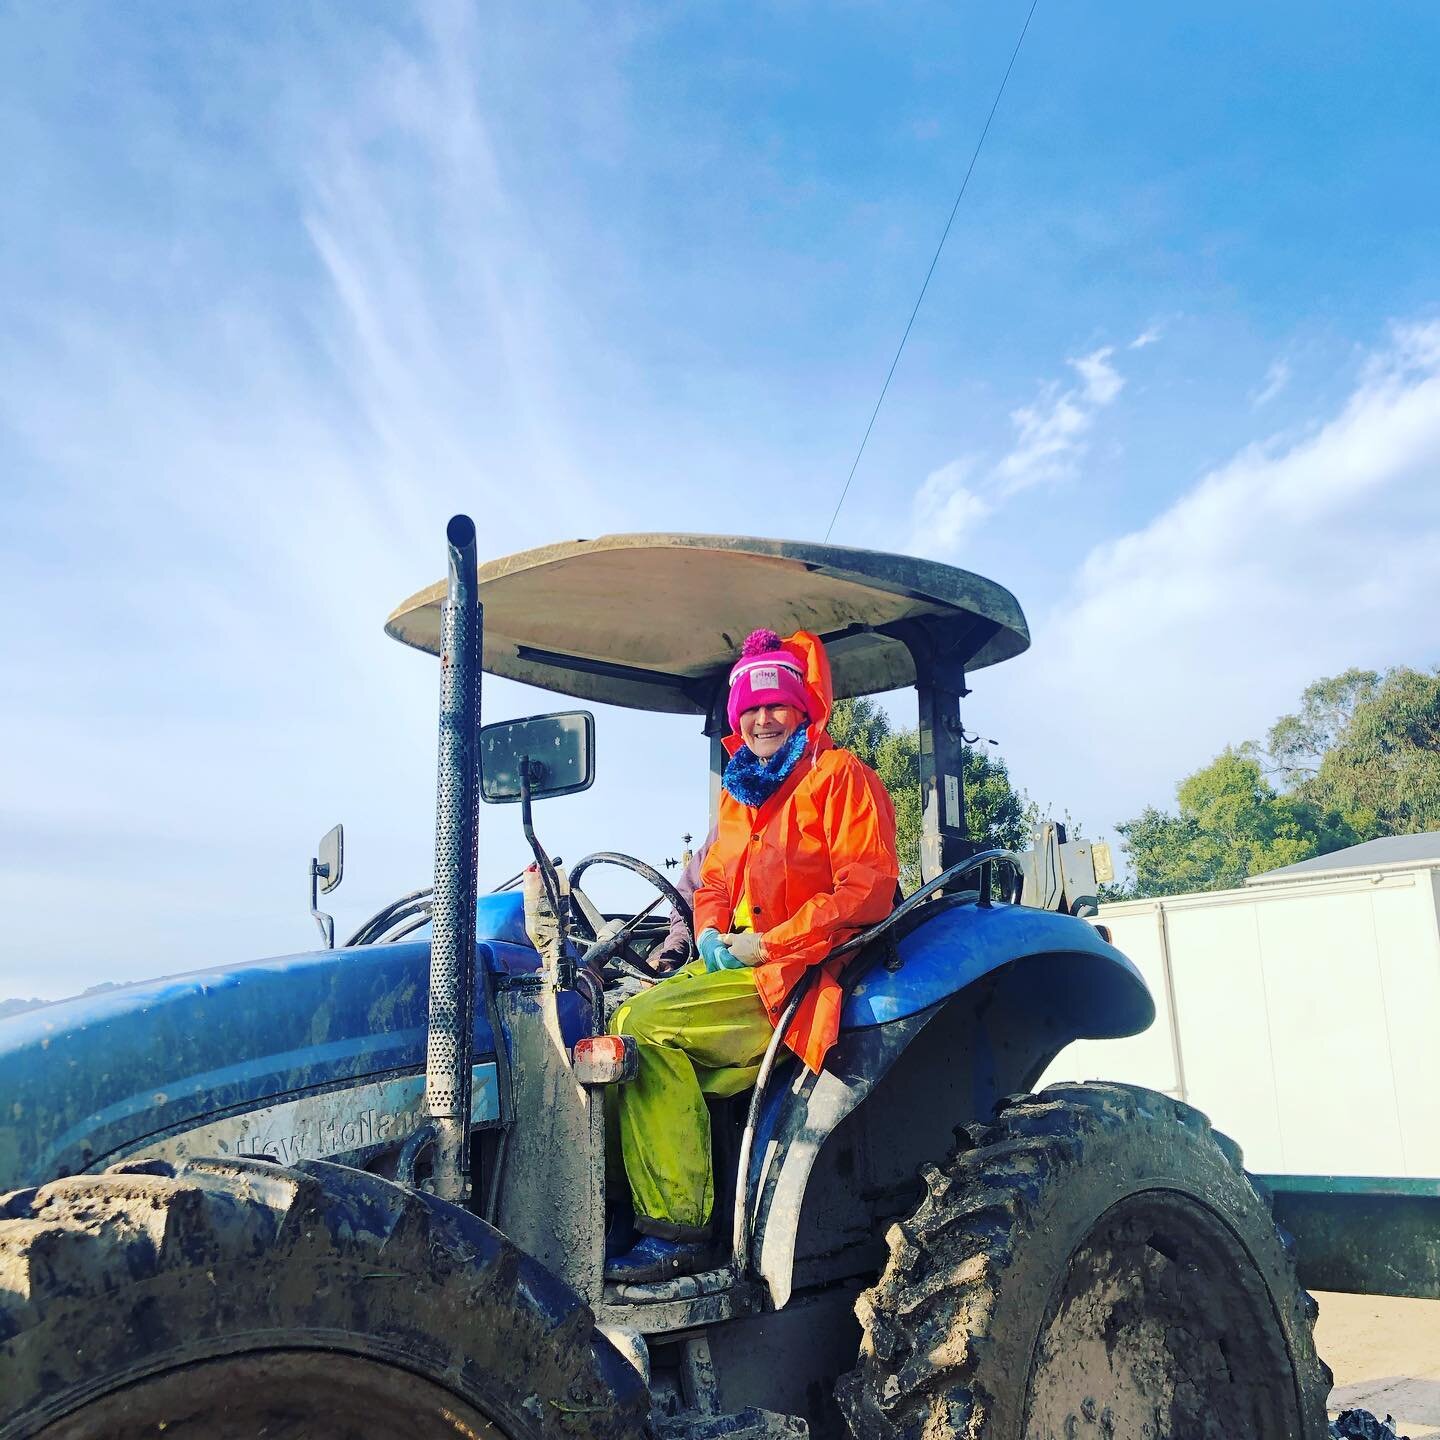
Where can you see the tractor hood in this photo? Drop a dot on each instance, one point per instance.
(88, 1081)
(654, 622)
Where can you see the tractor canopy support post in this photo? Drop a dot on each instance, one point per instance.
(940, 685)
(452, 947)
(944, 839)
(717, 727)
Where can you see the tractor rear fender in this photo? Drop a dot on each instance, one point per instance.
(991, 995)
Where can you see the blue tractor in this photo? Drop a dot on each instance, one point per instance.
(362, 1191)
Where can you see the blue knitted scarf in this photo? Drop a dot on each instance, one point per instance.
(752, 781)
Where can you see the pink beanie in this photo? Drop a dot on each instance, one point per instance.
(765, 674)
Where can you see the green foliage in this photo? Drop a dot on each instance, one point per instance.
(864, 729)
(1299, 743)
(1231, 824)
(1360, 758)
(1382, 772)
(859, 726)
(995, 812)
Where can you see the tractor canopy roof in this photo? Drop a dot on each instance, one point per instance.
(654, 622)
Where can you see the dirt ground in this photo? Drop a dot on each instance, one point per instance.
(1385, 1354)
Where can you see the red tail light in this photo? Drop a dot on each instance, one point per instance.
(605, 1059)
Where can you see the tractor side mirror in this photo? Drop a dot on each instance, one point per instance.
(557, 751)
(326, 868)
(330, 859)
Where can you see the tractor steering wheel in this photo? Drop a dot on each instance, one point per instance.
(646, 872)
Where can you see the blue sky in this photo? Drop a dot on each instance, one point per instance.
(285, 286)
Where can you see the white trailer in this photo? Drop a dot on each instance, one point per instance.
(1302, 1012)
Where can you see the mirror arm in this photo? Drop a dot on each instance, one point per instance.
(547, 871)
(326, 923)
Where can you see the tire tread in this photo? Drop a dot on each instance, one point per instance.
(925, 1365)
(82, 1260)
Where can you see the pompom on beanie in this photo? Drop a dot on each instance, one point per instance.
(765, 674)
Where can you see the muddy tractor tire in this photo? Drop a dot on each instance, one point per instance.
(1093, 1265)
(230, 1298)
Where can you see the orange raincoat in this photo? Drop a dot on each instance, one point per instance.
(817, 862)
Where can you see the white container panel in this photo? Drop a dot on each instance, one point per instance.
(1224, 1025)
(1306, 1016)
(1330, 1045)
(1409, 949)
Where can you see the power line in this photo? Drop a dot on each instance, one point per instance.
(935, 261)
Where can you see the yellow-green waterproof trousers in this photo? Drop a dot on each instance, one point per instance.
(700, 1034)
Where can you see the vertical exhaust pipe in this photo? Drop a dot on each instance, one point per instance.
(452, 946)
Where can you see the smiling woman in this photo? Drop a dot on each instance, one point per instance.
(803, 857)
(766, 728)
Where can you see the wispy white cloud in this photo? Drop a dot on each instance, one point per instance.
(1050, 438)
(1102, 381)
(221, 507)
(1294, 559)
(947, 509)
(1147, 336)
(1277, 377)
(1050, 433)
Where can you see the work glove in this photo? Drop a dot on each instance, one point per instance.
(747, 946)
(714, 954)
